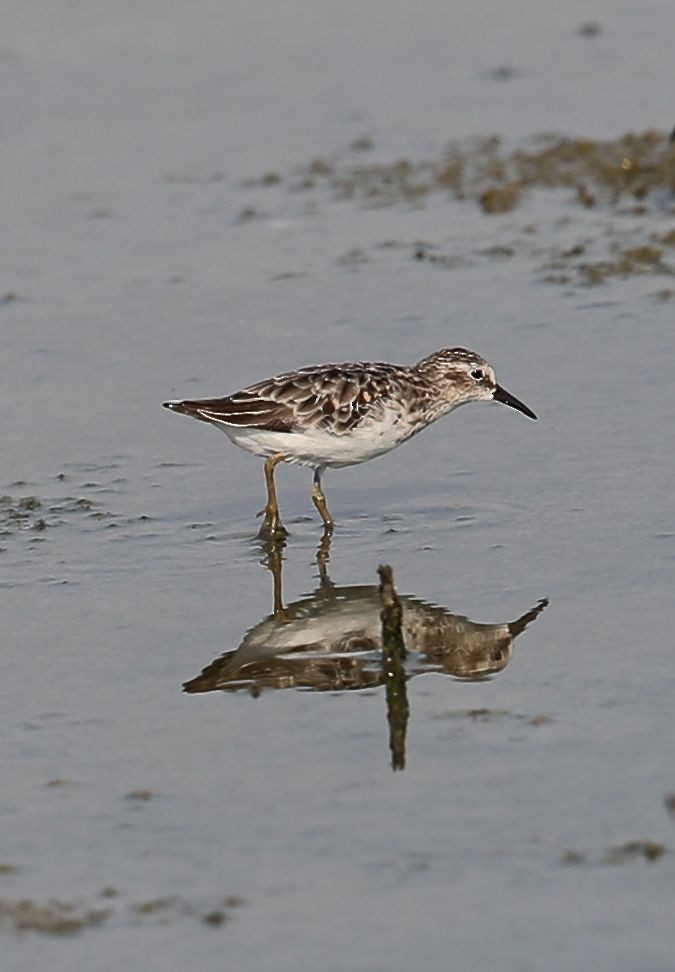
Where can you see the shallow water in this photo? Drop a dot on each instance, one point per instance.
(266, 828)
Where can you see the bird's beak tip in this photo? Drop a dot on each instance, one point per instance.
(506, 398)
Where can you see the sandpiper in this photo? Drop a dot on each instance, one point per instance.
(332, 415)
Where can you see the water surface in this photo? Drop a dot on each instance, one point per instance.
(266, 829)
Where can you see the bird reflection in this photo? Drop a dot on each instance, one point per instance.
(331, 640)
(355, 637)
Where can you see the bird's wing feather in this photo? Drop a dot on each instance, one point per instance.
(242, 410)
(332, 398)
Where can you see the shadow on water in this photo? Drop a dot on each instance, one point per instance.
(344, 637)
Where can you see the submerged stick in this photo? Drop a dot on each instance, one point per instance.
(393, 653)
(391, 615)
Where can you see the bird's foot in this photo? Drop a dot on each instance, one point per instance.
(319, 501)
(271, 527)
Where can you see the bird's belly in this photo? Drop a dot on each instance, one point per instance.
(318, 448)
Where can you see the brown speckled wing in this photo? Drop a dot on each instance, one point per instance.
(333, 398)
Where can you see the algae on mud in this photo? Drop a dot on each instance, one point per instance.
(497, 177)
(618, 192)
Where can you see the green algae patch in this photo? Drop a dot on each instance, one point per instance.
(572, 266)
(596, 211)
(501, 198)
(498, 177)
(61, 918)
(633, 850)
(51, 918)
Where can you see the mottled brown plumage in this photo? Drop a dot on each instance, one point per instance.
(334, 398)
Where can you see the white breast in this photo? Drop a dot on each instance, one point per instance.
(315, 447)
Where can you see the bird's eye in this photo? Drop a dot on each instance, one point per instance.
(478, 374)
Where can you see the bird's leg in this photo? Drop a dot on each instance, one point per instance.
(272, 528)
(319, 501)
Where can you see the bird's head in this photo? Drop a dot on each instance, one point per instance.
(466, 377)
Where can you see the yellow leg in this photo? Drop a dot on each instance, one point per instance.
(319, 501)
(272, 528)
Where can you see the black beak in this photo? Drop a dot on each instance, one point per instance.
(506, 398)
